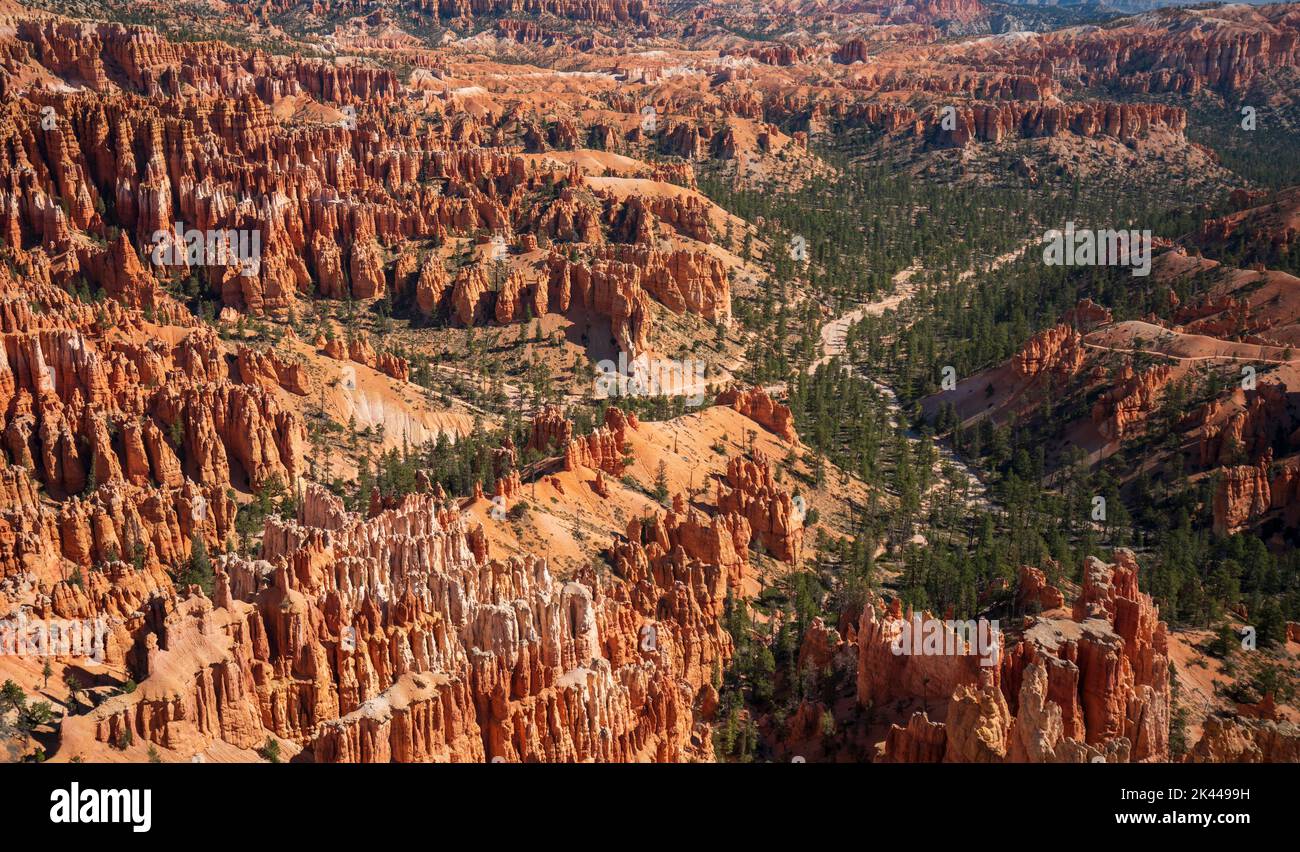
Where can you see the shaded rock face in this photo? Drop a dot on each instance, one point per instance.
(1124, 688)
(620, 280)
(1087, 315)
(268, 370)
(769, 510)
(885, 675)
(1237, 435)
(551, 431)
(398, 638)
(1035, 592)
(1248, 430)
(1237, 740)
(921, 741)
(139, 436)
(1266, 231)
(1057, 351)
(616, 283)
(602, 450)
(359, 350)
(1091, 687)
(762, 409)
(1244, 492)
(998, 122)
(1127, 405)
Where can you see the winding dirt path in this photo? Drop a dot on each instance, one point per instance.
(1158, 354)
(834, 343)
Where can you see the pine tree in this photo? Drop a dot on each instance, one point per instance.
(199, 570)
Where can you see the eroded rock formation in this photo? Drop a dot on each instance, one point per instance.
(1092, 686)
(762, 409)
(398, 638)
